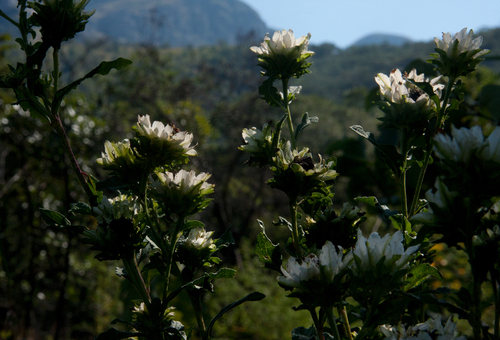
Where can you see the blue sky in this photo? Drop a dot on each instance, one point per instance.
(344, 22)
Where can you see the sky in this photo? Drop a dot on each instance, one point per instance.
(344, 22)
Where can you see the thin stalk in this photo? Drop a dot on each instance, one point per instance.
(347, 327)
(317, 324)
(196, 303)
(333, 323)
(55, 57)
(130, 265)
(404, 199)
(494, 283)
(287, 109)
(439, 122)
(295, 231)
(170, 255)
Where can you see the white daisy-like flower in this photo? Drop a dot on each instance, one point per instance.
(118, 156)
(396, 88)
(368, 252)
(461, 42)
(296, 272)
(184, 183)
(463, 143)
(442, 198)
(283, 43)
(256, 139)
(198, 238)
(111, 209)
(423, 331)
(165, 133)
(332, 262)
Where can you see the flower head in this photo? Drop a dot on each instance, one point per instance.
(431, 329)
(258, 145)
(121, 206)
(458, 55)
(332, 262)
(165, 143)
(283, 54)
(198, 238)
(389, 249)
(119, 157)
(184, 192)
(296, 272)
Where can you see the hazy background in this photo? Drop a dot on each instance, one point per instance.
(344, 22)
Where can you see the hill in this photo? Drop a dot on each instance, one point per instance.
(381, 39)
(165, 22)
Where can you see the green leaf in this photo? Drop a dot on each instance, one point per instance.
(373, 201)
(268, 252)
(391, 156)
(419, 274)
(255, 296)
(113, 334)
(193, 224)
(306, 121)
(80, 208)
(54, 218)
(225, 240)
(269, 93)
(103, 69)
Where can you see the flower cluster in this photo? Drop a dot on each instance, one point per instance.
(111, 209)
(182, 193)
(458, 55)
(405, 104)
(463, 144)
(371, 252)
(284, 55)
(431, 329)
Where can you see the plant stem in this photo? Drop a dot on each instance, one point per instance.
(287, 109)
(130, 265)
(332, 322)
(295, 231)
(439, 122)
(196, 303)
(404, 152)
(170, 256)
(317, 324)
(347, 327)
(494, 283)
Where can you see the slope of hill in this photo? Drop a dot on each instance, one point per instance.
(160, 22)
(381, 39)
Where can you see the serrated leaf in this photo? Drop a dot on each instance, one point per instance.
(391, 156)
(419, 274)
(306, 121)
(80, 208)
(113, 334)
(54, 218)
(268, 252)
(269, 93)
(255, 296)
(225, 240)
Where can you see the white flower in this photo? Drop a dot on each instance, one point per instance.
(368, 252)
(396, 89)
(111, 209)
(292, 92)
(442, 198)
(256, 139)
(183, 183)
(118, 156)
(165, 133)
(296, 272)
(423, 331)
(463, 143)
(332, 262)
(199, 238)
(283, 43)
(464, 43)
